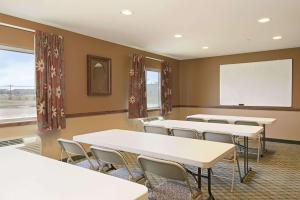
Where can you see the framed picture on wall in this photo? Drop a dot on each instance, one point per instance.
(98, 76)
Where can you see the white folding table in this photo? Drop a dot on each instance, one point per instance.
(28, 176)
(199, 153)
(237, 130)
(232, 119)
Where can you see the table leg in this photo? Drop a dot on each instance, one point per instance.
(209, 184)
(199, 178)
(264, 139)
(246, 159)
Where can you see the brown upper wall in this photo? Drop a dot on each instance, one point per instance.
(199, 78)
(76, 48)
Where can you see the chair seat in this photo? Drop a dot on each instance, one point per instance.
(171, 190)
(86, 164)
(124, 174)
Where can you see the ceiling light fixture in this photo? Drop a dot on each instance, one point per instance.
(178, 36)
(205, 47)
(126, 12)
(264, 20)
(278, 37)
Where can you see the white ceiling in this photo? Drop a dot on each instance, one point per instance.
(225, 26)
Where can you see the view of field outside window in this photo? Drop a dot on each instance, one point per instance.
(153, 88)
(17, 85)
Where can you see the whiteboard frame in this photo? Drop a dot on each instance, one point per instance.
(248, 106)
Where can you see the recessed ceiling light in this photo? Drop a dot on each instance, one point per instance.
(278, 37)
(264, 20)
(126, 12)
(205, 47)
(178, 36)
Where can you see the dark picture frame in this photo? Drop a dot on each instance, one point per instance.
(98, 75)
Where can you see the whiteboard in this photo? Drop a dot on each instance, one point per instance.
(266, 83)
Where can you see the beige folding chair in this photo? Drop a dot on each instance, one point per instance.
(149, 119)
(195, 119)
(114, 158)
(156, 129)
(72, 148)
(217, 121)
(186, 133)
(257, 140)
(225, 138)
(177, 185)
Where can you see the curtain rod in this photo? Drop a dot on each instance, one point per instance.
(150, 58)
(17, 27)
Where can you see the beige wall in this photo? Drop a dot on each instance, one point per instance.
(199, 78)
(195, 82)
(199, 86)
(76, 48)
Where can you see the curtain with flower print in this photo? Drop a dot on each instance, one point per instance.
(137, 103)
(166, 88)
(49, 81)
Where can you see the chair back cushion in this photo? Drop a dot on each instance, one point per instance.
(246, 123)
(71, 147)
(218, 137)
(163, 168)
(218, 121)
(186, 133)
(107, 155)
(156, 129)
(195, 119)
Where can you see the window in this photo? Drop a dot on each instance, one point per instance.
(153, 88)
(17, 85)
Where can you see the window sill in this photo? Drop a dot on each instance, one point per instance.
(17, 122)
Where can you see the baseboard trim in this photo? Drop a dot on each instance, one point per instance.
(283, 141)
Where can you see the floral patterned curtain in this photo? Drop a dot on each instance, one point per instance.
(166, 88)
(49, 81)
(137, 103)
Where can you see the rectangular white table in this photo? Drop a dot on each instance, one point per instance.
(28, 176)
(199, 153)
(237, 130)
(232, 119)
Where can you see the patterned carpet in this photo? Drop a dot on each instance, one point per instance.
(276, 176)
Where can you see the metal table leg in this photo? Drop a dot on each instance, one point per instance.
(264, 138)
(246, 159)
(209, 184)
(199, 178)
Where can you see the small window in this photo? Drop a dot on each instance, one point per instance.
(17, 85)
(153, 88)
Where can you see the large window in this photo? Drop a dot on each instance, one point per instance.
(17, 85)
(153, 88)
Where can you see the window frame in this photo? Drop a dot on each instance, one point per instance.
(18, 121)
(158, 70)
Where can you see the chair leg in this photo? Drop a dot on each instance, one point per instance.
(233, 175)
(239, 169)
(258, 149)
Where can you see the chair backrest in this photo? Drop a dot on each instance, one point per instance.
(186, 133)
(163, 168)
(195, 119)
(218, 137)
(246, 123)
(108, 156)
(218, 121)
(156, 129)
(149, 119)
(71, 147)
